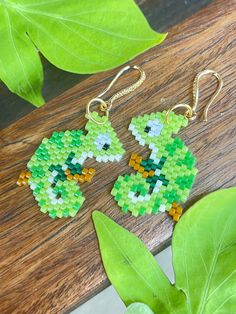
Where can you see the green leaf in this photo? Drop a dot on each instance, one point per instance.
(138, 308)
(204, 257)
(204, 254)
(20, 66)
(78, 36)
(133, 270)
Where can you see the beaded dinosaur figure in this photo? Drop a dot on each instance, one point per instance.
(166, 177)
(56, 166)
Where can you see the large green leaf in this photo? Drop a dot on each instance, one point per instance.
(80, 36)
(133, 270)
(204, 254)
(204, 257)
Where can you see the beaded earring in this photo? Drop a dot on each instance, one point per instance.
(164, 179)
(57, 165)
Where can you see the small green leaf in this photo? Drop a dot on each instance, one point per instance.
(138, 308)
(204, 254)
(133, 270)
(76, 36)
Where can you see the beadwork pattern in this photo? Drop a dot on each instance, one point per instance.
(166, 177)
(56, 167)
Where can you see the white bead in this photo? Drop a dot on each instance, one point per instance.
(162, 208)
(131, 127)
(105, 158)
(54, 173)
(134, 200)
(112, 158)
(157, 173)
(90, 155)
(74, 161)
(156, 189)
(84, 155)
(147, 197)
(99, 158)
(64, 167)
(118, 157)
(51, 179)
(131, 194)
(142, 142)
(60, 201)
(33, 186)
(81, 161)
(49, 190)
(151, 146)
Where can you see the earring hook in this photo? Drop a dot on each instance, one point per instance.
(196, 91)
(106, 106)
(191, 113)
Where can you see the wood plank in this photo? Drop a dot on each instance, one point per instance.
(51, 266)
(161, 14)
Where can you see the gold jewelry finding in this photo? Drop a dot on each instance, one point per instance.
(191, 113)
(105, 106)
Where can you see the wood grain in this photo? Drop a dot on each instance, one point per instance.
(51, 266)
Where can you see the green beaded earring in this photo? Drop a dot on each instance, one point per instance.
(164, 179)
(56, 167)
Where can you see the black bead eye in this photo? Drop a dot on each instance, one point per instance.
(147, 129)
(106, 146)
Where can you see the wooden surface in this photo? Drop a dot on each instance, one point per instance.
(51, 266)
(160, 13)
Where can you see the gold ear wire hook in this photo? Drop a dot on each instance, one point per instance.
(191, 113)
(106, 106)
(196, 91)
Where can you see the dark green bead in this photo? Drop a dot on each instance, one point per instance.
(143, 163)
(76, 206)
(125, 208)
(42, 202)
(142, 211)
(117, 185)
(153, 167)
(73, 171)
(118, 197)
(165, 182)
(51, 168)
(134, 188)
(126, 178)
(52, 213)
(143, 192)
(150, 161)
(58, 167)
(63, 177)
(66, 212)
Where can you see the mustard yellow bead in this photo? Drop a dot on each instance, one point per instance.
(133, 156)
(145, 174)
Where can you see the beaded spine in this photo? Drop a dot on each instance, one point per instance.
(163, 179)
(57, 165)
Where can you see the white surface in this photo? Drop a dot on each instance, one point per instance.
(108, 300)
